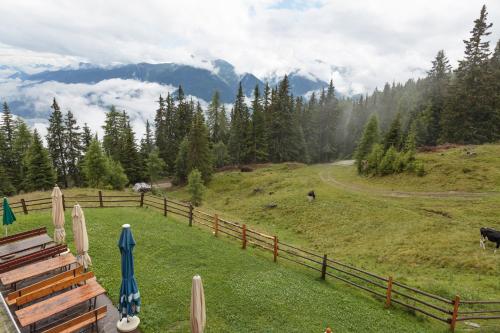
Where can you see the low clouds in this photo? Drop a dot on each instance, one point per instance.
(89, 102)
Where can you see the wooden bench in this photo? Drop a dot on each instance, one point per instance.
(82, 321)
(23, 245)
(23, 235)
(45, 309)
(13, 296)
(49, 290)
(29, 271)
(32, 257)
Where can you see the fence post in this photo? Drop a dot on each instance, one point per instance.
(64, 203)
(164, 206)
(25, 209)
(389, 293)
(275, 250)
(456, 304)
(100, 199)
(142, 199)
(323, 268)
(216, 225)
(190, 214)
(244, 237)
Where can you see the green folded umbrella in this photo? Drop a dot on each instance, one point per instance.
(8, 214)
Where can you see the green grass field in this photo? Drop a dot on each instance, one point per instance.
(245, 291)
(431, 242)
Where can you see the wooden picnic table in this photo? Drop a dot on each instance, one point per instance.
(32, 314)
(35, 269)
(24, 244)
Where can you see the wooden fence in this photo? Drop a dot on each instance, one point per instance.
(450, 311)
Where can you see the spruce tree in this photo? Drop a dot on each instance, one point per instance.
(240, 131)
(147, 142)
(129, 155)
(439, 79)
(369, 138)
(394, 135)
(6, 187)
(8, 126)
(172, 141)
(259, 135)
(86, 137)
(155, 166)
(160, 123)
(196, 187)
(113, 133)
(181, 162)
(184, 116)
(95, 165)
(56, 141)
(469, 115)
(199, 155)
(40, 173)
(22, 141)
(74, 149)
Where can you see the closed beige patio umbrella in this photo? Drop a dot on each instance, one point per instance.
(198, 312)
(80, 236)
(58, 215)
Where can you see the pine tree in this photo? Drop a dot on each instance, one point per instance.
(394, 135)
(74, 149)
(439, 79)
(196, 187)
(56, 134)
(95, 165)
(40, 173)
(22, 141)
(113, 133)
(147, 142)
(155, 166)
(469, 115)
(129, 155)
(161, 124)
(369, 138)
(181, 162)
(6, 187)
(217, 120)
(115, 175)
(86, 137)
(259, 135)
(199, 155)
(172, 141)
(7, 126)
(184, 116)
(240, 131)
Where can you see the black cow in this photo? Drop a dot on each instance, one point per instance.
(489, 234)
(311, 195)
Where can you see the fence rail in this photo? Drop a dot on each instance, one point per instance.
(450, 311)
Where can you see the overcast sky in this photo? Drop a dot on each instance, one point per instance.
(374, 41)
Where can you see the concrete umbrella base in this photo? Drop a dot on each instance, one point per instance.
(128, 324)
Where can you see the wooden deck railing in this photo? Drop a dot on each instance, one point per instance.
(450, 311)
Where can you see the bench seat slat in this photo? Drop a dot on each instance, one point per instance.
(75, 324)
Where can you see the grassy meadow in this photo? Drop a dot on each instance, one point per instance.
(245, 291)
(431, 242)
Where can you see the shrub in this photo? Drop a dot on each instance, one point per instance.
(386, 166)
(115, 175)
(195, 187)
(373, 159)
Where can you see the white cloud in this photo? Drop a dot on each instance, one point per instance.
(374, 41)
(89, 102)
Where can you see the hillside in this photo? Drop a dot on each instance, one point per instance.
(244, 290)
(430, 241)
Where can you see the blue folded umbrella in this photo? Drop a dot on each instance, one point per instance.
(130, 298)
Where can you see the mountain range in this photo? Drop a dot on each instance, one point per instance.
(199, 82)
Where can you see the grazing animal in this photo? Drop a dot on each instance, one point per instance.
(311, 195)
(489, 234)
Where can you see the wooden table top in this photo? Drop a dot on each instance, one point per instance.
(59, 303)
(36, 269)
(24, 244)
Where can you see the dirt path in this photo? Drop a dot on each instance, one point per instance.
(328, 177)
